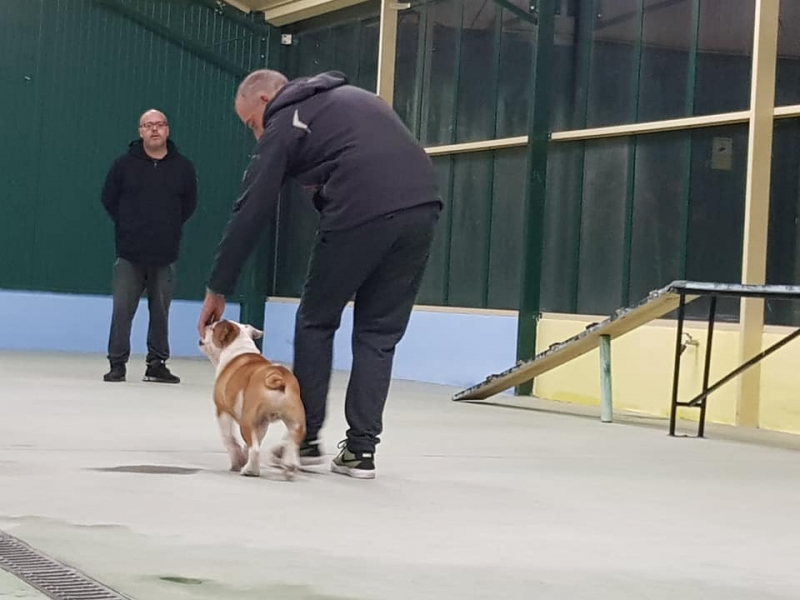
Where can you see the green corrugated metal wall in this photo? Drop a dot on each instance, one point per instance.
(623, 216)
(74, 77)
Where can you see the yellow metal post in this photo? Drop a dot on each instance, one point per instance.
(756, 218)
(387, 50)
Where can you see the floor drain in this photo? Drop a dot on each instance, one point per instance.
(52, 578)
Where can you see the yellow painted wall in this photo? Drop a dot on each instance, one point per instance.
(642, 366)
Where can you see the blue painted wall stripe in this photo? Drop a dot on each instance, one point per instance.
(448, 348)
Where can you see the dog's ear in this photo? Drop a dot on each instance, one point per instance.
(254, 333)
(224, 333)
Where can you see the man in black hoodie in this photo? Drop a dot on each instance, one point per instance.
(149, 193)
(378, 203)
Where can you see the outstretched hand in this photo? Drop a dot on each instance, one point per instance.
(213, 307)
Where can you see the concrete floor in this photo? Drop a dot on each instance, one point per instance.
(471, 501)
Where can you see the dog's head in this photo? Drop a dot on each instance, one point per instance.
(223, 334)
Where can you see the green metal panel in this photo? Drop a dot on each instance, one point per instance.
(716, 215)
(723, 75)
(783, 264)
(433, 290)
(561, 236)
(506, 229)
(784, 220)
(470, 219)
(76, 75)
(409, 66)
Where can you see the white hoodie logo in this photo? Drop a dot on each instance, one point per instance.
(296, 122)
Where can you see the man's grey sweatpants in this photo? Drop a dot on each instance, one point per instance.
(130, 282)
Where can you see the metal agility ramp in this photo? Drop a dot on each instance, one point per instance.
(658, 303)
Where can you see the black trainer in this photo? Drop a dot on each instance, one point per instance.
(309, 452)
(116, 374)
(360, 465)
(158, 372)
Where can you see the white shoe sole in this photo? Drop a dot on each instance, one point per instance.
(356, 473)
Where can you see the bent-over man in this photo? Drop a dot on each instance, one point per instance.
(378, 203)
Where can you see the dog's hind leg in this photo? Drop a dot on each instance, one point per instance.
(290, 461)
(235, 451)
(254, 437)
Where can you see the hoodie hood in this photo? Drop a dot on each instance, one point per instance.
(136, 147)
(301, 88)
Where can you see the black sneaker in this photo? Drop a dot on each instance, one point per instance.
(360, 465)
(116, 374)
(309, 451)
(159, 373)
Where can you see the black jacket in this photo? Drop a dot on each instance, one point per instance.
(345, 142)
(149, 200)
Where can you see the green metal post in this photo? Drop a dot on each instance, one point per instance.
(606, 403)
(636, 77)
(538, 139)
(585, 33)
(691, 80)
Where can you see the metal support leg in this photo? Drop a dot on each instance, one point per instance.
(606, 406)
(677, 368)
(712, 314)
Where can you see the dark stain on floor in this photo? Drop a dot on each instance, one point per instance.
(149, 470)
(182, 580)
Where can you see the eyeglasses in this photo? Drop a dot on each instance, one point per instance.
(153, 124)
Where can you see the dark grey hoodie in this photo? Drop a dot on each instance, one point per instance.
(342, 140)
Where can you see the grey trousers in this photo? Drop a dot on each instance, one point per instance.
(130, 282)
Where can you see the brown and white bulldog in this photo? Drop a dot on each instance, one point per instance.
(252, 392)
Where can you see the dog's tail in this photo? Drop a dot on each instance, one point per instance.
(275, 381)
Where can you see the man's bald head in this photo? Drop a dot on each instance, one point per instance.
(152, 116)
(254, 93)
(262, 82)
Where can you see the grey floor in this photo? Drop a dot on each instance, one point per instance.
(471, 501)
